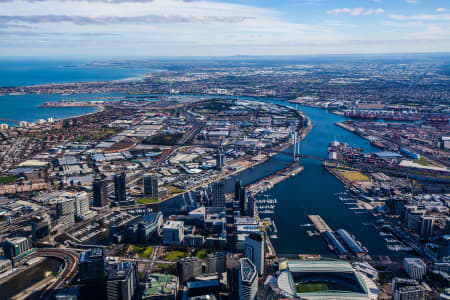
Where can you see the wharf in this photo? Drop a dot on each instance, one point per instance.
(319, 223)
(272, 180)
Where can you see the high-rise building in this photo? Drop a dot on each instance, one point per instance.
(151, 186)
(120, 188)
(122, 280)
(18, 249)
(240, 196)
(254, 250)
(427, 226)
(218, 194)
(189, 268)
(251, 206)
(248, 280)
(100, 193)
(230, 226)
(81, 204)
(91, 268)
(447, 226)
(414, 267)
(407, 289)
(216, 262)
(65, 210)
(40, 227)
(220, 161)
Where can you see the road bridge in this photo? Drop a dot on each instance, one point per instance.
(9, 120)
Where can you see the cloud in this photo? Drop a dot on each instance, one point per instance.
(105, 20)
(441, 9)
(356, 11)
(426, 17)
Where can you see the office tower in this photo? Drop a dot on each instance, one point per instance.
(220, 161)
(251, 206)
(254, 250)
(218, 194)
(65, 210)
(40, 227)
(426, 227)
(120, 188)
(248, 280)
(122, 280)
(407, 289)
(216, 262)
(230, 227)
(447, 225)
(91, 268)
(17, 246)
(18, 249)
(100, 193)
(189, 268)
(240, 196)
(81, 204)
(173, 233)
(151, 186)
(414, 267)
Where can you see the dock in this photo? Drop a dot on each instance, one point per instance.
(319, 223)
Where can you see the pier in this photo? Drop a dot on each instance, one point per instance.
(319, 223)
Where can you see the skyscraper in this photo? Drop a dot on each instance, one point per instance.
(240, 196)
(100, 194)
(229, 226)
(218, 194)
(92, 266)
(254, 250)
(251, 206)
(220, 161)
(150, 186)
(427, 226)
(120, 187)
(122, 280)
(248, 280)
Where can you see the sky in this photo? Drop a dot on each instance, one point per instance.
(145, 28)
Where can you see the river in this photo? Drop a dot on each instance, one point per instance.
(311, 192)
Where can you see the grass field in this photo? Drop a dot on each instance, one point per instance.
(7, 179)
(143, 252)
(354, 176)
(146, 200)
(423, 161)
(175, 255)
(311, 287)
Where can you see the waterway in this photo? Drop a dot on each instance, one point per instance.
(313, 191)
(27, 278)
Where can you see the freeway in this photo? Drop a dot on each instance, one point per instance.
(70, 259)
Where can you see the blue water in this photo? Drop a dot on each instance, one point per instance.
(15, 72)
(311, 192)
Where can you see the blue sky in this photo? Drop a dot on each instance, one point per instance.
(221, 28)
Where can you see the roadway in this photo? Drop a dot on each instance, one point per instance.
(70, 259)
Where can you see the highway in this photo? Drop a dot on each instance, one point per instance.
(70, 258)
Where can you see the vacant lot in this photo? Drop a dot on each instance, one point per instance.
(355, 176)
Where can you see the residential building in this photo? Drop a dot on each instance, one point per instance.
(100, 193)
(122, 280)
(120, 188)
(248, 280)
(189, 268)
(415, 267)
(216, 262)
(407, 289)
(151, 186)
(65, 210)
(254, 250)
(218, 194)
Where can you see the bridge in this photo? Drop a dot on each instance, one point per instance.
(9, 120)
(70, 259)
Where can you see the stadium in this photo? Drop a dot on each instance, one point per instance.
(325, 279)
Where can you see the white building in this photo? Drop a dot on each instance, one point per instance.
(254, 250)
(173, 233)
(81, 204)
(248, 280)
(415, 267)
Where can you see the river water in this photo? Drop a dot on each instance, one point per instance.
(311, 192)
(34, 274)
